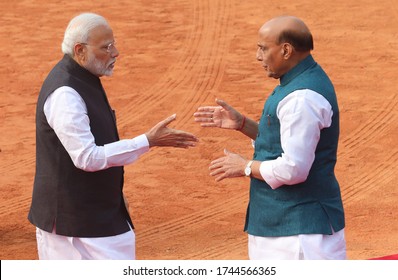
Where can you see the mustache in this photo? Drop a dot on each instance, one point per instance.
(112, 62)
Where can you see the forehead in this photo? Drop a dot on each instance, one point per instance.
(270, 30)
(266, 37)
(100, 34)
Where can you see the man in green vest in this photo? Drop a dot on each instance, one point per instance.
(295, 209)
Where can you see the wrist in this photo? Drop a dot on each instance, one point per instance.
(242, 124)
(248, 168)
(149, 139)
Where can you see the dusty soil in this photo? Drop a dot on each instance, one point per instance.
(178, 55)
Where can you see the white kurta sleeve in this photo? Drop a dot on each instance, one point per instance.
(66, 113)
(302, 114)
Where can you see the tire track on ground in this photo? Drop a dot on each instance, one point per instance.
(216, 61)
(200, 67)
(382, 174)
(184, 66)
(219, 252)
(203, 78)
(371, 129)
(10, 206)
(190, 222)
(176, 74)
(211, 30)
(383, 123)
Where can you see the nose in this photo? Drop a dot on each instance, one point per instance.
(114, 52)
(259, 55)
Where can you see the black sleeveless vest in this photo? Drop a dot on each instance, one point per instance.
(79, 203)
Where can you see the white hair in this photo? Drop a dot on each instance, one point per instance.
(79, 29)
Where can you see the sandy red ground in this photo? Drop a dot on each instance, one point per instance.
(178, 55)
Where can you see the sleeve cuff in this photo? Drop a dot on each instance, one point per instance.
(267, 174)
(142, 141)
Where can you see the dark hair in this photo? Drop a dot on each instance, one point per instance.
(301, 41)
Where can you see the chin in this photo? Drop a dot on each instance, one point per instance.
(108, 73)
(273, 75)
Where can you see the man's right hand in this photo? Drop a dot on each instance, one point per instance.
(163, 136)
(222, 116)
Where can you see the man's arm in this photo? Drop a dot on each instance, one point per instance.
(302, 114)
(66, 113)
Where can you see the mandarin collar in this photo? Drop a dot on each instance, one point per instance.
(297, 70)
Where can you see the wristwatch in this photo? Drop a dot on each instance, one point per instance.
(248, 169)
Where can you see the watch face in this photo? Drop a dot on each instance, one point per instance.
(248, 170)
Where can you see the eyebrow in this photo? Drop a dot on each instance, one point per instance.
(261, 46)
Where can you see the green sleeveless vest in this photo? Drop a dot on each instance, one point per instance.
(314, 206)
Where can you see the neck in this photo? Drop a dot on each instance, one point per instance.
(296, 58)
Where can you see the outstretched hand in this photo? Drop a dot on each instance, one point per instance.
(222, 116)
(163, 136)
(230, 166)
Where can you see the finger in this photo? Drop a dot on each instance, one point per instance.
(184, 136)
(209, 124)
(228, 153)
(206, 109)
(185, 145)
(189, 139)
(204, 119)
(168, 120)
(216, 172)
(182, 142)
(202, 114)
(213, 167)
(217, 163)
(220, 178)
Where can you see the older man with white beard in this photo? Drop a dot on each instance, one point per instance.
(78, 206)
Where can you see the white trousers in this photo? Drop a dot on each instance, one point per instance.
(52, 246)
(298, 247)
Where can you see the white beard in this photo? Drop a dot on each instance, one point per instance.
(97, 67)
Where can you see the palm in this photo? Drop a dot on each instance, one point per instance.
(225, 118)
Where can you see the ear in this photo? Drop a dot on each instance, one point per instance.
(80, 51)
(287, 50)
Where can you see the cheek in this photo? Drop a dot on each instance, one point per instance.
(267, 58)
(103, 58)
(272, 58)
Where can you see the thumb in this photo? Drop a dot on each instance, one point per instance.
(223, 104)
(167, 121)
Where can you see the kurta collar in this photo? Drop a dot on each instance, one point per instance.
(297, 70)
